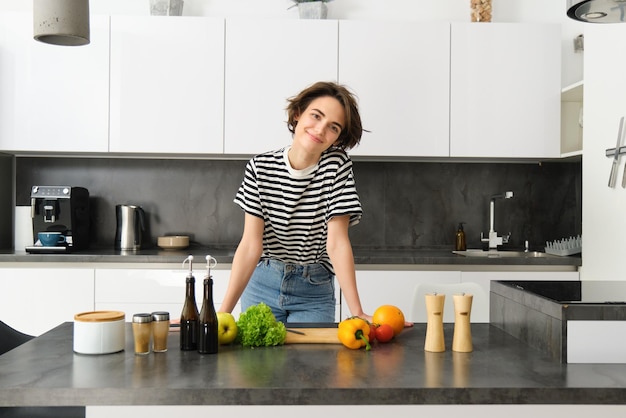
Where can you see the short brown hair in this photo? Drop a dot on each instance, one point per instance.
(350, 135)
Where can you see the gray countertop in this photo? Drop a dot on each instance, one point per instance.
(362, 256)
(500, 370)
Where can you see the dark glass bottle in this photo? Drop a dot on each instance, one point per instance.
(189, 317)
(460, 238)
(207, 329)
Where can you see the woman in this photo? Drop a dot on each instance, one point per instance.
(299, 202)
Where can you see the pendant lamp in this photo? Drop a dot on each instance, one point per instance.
(597, 11)
(61, 22)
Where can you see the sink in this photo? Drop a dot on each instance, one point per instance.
(502, 254)
(581, 321)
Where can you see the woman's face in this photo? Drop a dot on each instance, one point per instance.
(319, 125)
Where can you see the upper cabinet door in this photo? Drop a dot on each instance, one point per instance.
(400, 72)
(505, 90)
(267, 62)
(53, 98)
(167, 84)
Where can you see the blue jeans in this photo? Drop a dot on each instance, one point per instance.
(295, 293)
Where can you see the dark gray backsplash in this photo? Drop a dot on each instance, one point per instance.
(7, 184)
(406, 204)
(420, 204)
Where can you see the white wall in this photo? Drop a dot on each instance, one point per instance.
(549, 11)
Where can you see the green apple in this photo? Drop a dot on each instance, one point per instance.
(226, 328)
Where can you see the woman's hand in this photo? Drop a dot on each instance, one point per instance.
(365, 316)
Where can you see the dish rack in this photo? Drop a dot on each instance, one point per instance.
(565, 246)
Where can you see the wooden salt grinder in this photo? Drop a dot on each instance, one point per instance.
(434, 327)
(462, 338)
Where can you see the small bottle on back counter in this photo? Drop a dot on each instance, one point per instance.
(207, 330)
(189, 316)
(460, 238)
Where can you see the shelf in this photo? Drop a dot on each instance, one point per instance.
(572, 154)
(573, 92)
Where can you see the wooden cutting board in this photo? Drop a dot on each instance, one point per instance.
(313, 336)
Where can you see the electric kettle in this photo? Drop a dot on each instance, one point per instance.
(131, 225)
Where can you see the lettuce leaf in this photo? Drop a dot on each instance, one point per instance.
(258, 327)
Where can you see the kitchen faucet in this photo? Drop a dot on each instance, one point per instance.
(494, 240)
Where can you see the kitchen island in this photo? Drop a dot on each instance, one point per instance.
(500, 371)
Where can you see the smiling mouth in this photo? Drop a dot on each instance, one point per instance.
(315, 138)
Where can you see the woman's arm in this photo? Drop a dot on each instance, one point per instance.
(245, 260)
(339, 250)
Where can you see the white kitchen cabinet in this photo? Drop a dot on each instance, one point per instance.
(53, 98)
(398, 288)
(147, 290)
(167, 78)
(406, 288)
(267, 62)
(505, 90)
(35, 300)
(400, 72)
(362, 411)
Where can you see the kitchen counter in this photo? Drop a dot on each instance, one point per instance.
(500, 370)
(362, 256)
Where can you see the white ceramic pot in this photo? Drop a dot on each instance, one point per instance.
(99, 332)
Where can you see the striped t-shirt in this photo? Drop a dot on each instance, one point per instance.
(296, 205)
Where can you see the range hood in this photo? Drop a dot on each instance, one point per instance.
(597, 11)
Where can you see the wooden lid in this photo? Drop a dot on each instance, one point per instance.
(99, 316)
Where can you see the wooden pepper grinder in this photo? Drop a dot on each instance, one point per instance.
(434, 327)
(462, 338)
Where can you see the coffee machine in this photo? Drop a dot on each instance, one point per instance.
(63, 209)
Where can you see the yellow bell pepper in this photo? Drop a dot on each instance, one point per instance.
(354, 333)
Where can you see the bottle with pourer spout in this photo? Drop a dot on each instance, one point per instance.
(189, 316)
(207, 327)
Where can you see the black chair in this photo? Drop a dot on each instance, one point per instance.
(11, 338)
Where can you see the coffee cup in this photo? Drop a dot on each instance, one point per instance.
(50, 239)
